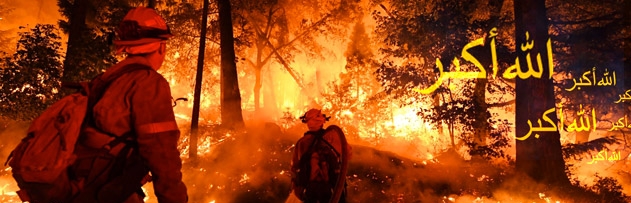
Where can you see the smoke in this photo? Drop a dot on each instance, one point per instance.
(11, 132)
(243, 167)
(29, 13)
(20, 16)
(253, 166)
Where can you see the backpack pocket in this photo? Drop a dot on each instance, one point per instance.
(60, 190)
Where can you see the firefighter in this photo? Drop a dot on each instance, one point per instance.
(138, 105)
(319, 177)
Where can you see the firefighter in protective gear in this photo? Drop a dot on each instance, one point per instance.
(314, 119)
(140, 103)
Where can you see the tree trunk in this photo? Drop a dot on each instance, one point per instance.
(258, 67)
(152, 4)
(439, 124)
(257, 87)
(72, 63)
(538, 156)
(198, 85)
(231, 115)
(627, 45)
(480, 124)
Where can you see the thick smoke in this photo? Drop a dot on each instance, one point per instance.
(29, 13)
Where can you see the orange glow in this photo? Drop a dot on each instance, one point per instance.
(8, 187)
(390, 128)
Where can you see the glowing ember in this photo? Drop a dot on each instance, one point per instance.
(244, 179)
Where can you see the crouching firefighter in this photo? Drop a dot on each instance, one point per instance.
(320, 161)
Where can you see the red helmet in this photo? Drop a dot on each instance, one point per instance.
(142, 25)
(314, 113)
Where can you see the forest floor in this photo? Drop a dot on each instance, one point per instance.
(254, 167)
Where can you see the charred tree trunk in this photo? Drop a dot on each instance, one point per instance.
(480, 124)
(76, 32)
(231, 114)
(198, 85)
(538, 156)
(439, 124)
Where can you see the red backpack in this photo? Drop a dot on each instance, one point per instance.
(41, 161)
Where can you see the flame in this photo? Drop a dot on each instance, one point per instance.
(244, 179)
(398, 126)
(8, 187)
(144, 190)
(182, 117)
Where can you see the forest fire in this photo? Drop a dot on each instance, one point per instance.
(361, 62)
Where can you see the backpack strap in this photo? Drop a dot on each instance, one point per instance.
(319, 136)
(331, 146)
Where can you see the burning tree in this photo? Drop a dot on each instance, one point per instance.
(378, 78)
(357, 100)
(417, 36)
(276, 35)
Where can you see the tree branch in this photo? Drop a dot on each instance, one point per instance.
(501, 104)
(583, 21)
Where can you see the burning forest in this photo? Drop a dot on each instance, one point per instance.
(441, 101)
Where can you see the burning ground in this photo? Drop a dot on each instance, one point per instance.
(397, 157)
(252, 166)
